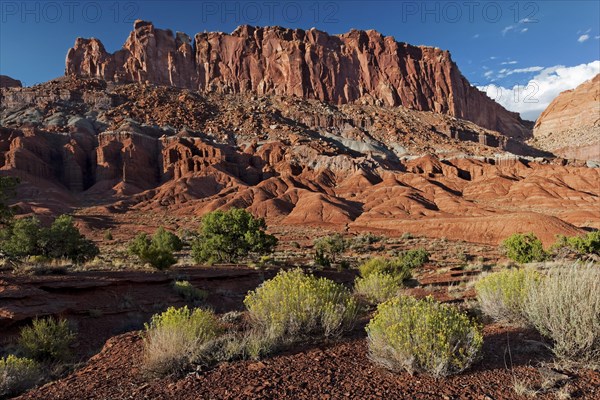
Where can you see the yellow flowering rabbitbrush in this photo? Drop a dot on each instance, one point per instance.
(423, 336)
(294, 304)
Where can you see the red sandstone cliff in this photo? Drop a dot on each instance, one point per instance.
(570, 125)
(358, 66)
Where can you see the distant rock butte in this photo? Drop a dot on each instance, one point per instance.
(8, 82)
(570, 125)
(358, 66)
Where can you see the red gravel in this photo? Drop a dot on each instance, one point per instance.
(327, 371)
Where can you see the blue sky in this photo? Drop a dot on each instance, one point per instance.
(501, 46)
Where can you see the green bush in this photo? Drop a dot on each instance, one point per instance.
(177, 338)
(162, 238)
(65, 241)
(27, 237)
(502, 294)
(414, 258)
(376, 288)
(423, 336)
(227, 236)
(158, 250)
(22, 238)
(293, 305)
(17, 375)
(47, 339)
(328, 249)
(583, 245)
(8, 186)
(190, 293)
(565, 307)
(524, 248)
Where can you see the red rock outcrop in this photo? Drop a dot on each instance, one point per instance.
(570, 125)
(359, 66)
(8, 82)
(136, 150)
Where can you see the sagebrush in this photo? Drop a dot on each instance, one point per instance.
(565, 307)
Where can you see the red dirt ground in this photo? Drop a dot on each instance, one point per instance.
(324, 371)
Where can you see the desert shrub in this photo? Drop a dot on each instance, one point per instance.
(158, 250)
(399, 267)
(227, 236)
(27, 237)
(22, 238)
(423, 336)
(565, 307)
(47, 339)
(502, 295)
(190, 293)
(524, 248)
(108, 235)
(583, 245)
(17, 375)
(376, 288)
(177, 338)
(162, 238)
(293, 304)
(8, 186)
(65, 241)
(364, 242)
(328, 249)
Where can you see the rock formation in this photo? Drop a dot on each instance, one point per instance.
(8, 82)
(139, 150)
(357, 67)
(570, 125)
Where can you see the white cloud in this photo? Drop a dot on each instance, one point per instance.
(583, 38)
(488, 74)
(524, 30)
(532, 98)
(504, 72)
(527, 20)
(509, 62)
(507, 29)
(524, 70)
(597, 37)
(475, 36)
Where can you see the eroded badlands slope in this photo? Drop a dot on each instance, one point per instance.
(108, 149)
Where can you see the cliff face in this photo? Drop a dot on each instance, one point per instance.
(570, 125)
(356, 67)
(8, 82)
